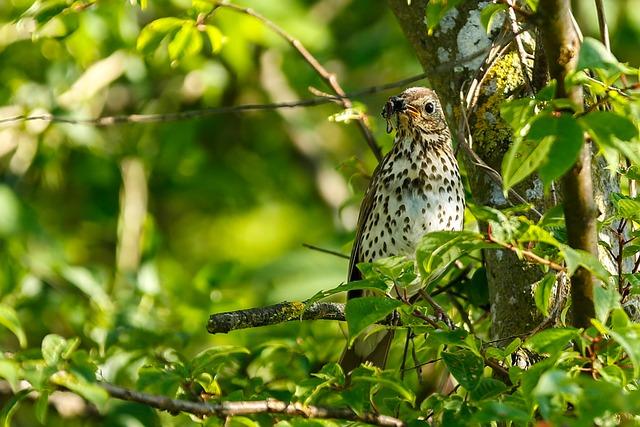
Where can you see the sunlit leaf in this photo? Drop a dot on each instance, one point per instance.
(215, 38)
(10, 406)
(551, 340)
(10, 371)
(9, 319)
(52, 347)
(373, 283)
(364, 311)
(543, 290)
(612, 131)
(605, 299)
(593, 54)
(151, 35)
(436, 9)
(629, 339)
(523, 158)
(89, 390)
(465, 366)
(626, 207)
(209, 360)
(487, 388)
(187, 42)
(84, 280)
(578, 258)
(489, 12)
(566, 146)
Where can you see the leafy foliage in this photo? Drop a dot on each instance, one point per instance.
(230, 201)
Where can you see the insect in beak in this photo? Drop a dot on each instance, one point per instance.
(394, 105)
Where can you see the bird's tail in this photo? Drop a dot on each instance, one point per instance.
(373, 348)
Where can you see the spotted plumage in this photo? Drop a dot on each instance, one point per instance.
(416, 189)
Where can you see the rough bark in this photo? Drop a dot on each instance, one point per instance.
(460, 36)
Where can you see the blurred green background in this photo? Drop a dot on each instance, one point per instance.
(129, 236)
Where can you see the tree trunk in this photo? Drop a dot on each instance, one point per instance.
(454, 59)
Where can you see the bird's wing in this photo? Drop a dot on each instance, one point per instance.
(365, 209)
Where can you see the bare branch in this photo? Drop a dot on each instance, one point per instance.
(274, 314)
(530, 256)
(269, 406)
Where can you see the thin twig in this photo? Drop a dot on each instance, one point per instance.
(440, 313)
(602, 24)
(326, 251)
(269, 406)
(522, 55)
(527, 254)
(329, 78)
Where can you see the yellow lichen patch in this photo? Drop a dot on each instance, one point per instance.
(293, 309)
(502, 79)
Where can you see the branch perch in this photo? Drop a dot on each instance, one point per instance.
(273, 314)
(270, 406)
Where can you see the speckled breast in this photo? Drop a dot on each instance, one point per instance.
(417, 190)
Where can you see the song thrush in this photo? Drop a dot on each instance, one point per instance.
(415, 189)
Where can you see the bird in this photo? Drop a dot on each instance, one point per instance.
(415, 189)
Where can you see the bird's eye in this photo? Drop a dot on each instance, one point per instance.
(429, 107)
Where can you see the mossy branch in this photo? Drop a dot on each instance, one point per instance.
(274, 314)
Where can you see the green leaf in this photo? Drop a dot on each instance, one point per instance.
(629, 339)
(406, 394)
(542, 295)
(45, 10)
(159, 381)
(551, 340)
(187, 42)
(517, 112)
(9, 319)
(331, 372)
(84, 280)
(209, 360)
(489, 12)
(52, 348)
(524, 156)
(374, 283)
(492, 411)
(554, 383)
(90, 391)
(10, 407)
(551, 145)
(152, 35)
(465, 366)
(438, 250)
(42, 406)
(593, 54)
(436, 9)
(605, 300)
(216, 39)
(10, 371)
(364, 311)
(611, 131)
(487, 388)
(578, 258)
(565, 149)
(625, 206)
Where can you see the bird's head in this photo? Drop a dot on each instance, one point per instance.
(415, 108)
